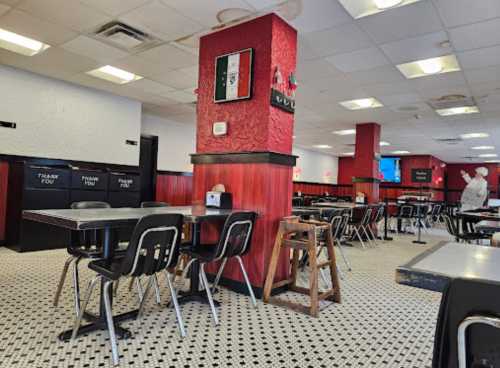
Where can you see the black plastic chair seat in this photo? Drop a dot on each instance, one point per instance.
(202, 252)
(111, 270)
(91, 253)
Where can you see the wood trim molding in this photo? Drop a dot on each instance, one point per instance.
(244, 157)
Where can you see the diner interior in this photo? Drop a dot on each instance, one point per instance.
(243, 183)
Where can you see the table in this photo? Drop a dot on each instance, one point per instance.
(488, 226)
(434, 268)
(306, 211)
(349, 205)
(110, 220)
(475, 216)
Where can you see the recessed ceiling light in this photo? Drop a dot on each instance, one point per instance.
(22, 45)
(483, 148)
(362, 103)
(400, 152)
(382, 143)
(485, 155)
(347, 154)
(426, 67)
(492, 161)
(345, 132)
(322, 146)
(460, 110)
(115, 75)
(363, 8)
(474, 135)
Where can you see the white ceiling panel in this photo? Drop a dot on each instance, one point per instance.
(480, 58)
(440, 81)
(170, 56)
(403, 22)
(417, 48)
(400, 99)
(358, 60)
(150, 86)
(458, 12)
(342, 39)
(383, 74)
(320, 14)
(114, 7)
(205, 12)
(385, 89)
(140, 66)
(177, 79)
(484, 89)
(466, 37)
(71, 13)
(161, 20)
(314, 69)
(27, 25)
(86, 46)
(483, 75)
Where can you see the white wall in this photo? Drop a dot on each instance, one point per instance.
(175, 142)
(61, 120)
(315, 167)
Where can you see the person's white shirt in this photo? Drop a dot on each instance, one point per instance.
(475, 192)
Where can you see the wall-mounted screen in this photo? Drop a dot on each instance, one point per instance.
(390, 169)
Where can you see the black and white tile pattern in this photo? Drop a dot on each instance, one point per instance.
(378, 324)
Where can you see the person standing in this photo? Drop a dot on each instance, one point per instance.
(476, 190)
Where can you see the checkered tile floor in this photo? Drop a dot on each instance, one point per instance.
(378, 324)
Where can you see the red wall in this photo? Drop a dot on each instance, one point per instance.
(4, 173)
(321, 189)
(456, 183)
(176, 190)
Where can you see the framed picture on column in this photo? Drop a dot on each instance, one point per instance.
(233, 76)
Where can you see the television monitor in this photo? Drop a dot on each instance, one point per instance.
(390, 169)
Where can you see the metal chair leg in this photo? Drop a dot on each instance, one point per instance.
(367, 236)
(219, 274)
(247, 281)
(62, 279)
(359, 237)
(116, 285)
(144, 297)
(76, 285)
(79, 317)
(209, 293)
(178, 314)
(140, 292)
(131, 283)
(157, 289)
(110, 323)
(344, 257)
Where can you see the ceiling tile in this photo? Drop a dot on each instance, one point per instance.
(177, 79)
(4, 9)
(477, 35)
(161, 20)
(480, 58)
(27, 25)
(140, 66)
(320, 14)
(114, 7)
(170, 56)
(86, 46)
(205, 12)
(483, 89)
(342, 39)
(382, 74)
(358, 60)
(71, 13)
(483, 75)
(458, 12)
(384, 89)
(416, 48)
(400, 99)
(314, 69)
(150, 87)
(403, 22)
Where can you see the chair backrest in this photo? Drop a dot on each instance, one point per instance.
(367, 216)
(236, 235)
(296, 202)
(346, 217)
(89, 205)
(405, 211)
(154, 204)
(463, 299)
(154, 245)
(336, 223)
(436, 210)
(377, 213)
(450, 225)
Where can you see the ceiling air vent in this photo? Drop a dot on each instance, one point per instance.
(449, 101)
(125, 37)
(449, 141)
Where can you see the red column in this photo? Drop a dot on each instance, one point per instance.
(254, 159)
(366, 170)
(4, 173)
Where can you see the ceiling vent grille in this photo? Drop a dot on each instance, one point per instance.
(449, 101)
(125, 37)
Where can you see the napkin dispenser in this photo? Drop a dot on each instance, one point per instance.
(221, 200)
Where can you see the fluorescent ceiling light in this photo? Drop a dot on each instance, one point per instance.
(483, 148)
(460, 110)
(485, 155)
(474, 135)
(348, 154)
(345, 132)
(115, 75)
(322, 146)
(382, 143)
(492, 161)
(362, 103)
(363, 8)
(400, 152)
(22, 45)
(426, 67)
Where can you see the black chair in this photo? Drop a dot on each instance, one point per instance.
(359, 221)
(467, 237)
(404, 215)
(235, 241)
(86, 244)
(468, 327)
(154, 204)
(337, 227)
(153, 248)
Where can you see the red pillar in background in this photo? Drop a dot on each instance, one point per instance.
(254, 159)
(366, 171)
